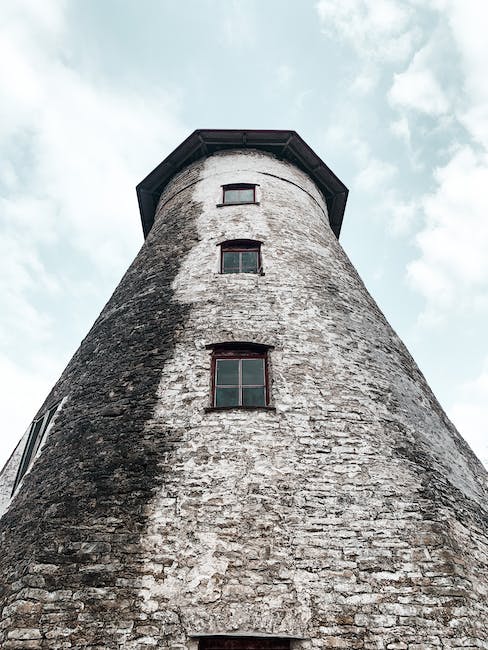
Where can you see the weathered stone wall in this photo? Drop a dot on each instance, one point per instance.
(353, 515)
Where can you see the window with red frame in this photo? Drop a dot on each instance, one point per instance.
(240, 256)
(240, 377)
(239, 193)
(248, 643)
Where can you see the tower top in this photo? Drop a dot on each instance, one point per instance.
(287, 145)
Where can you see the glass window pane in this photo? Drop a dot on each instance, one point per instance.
(231, 196)
(250, 262)
(227, 372)
(31, 443)
(246, 196)
(230, 262)
(227, 397)
(39, 431)
(253, 397)
(38, 426)
(253, 372)
(50, 414)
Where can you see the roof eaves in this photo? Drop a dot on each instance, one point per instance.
(287, 145)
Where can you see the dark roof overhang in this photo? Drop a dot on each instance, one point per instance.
(287, 145)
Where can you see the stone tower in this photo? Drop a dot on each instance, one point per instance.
(242, 454)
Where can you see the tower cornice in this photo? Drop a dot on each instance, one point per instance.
(287, 145)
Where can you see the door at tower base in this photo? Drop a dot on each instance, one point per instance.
(243, 643)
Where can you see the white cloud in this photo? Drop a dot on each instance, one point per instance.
(401, 129)
(72, 151)
(403, 215)
(380, 30)
(90, 143)
(365, 81)
(452, 268)
(88, 146)
(468, 22)
(284, 74)
(375, 176)
(341, 135)
(417, 88)
(440, 71)
(239, 26)
(470, 413)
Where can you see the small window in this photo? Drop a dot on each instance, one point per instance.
(241, 256)
(239, 193)
(240, 377)
(35, 437)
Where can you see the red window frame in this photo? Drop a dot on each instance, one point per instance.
(240, 246)
(239, 352)
(243, 643)
(238, 186)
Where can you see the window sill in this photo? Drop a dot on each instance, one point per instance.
(223, 205)
(259, 273)
(209, 409)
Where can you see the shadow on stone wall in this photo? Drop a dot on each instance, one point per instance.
(71, 558)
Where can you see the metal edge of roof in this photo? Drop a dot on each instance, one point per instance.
(287, 145)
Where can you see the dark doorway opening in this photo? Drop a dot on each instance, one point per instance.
(242, 643)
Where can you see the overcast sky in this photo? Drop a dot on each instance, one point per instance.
(392, 94)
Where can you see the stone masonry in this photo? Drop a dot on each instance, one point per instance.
(352, 515)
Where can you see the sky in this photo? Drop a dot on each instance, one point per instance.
(391, 94)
